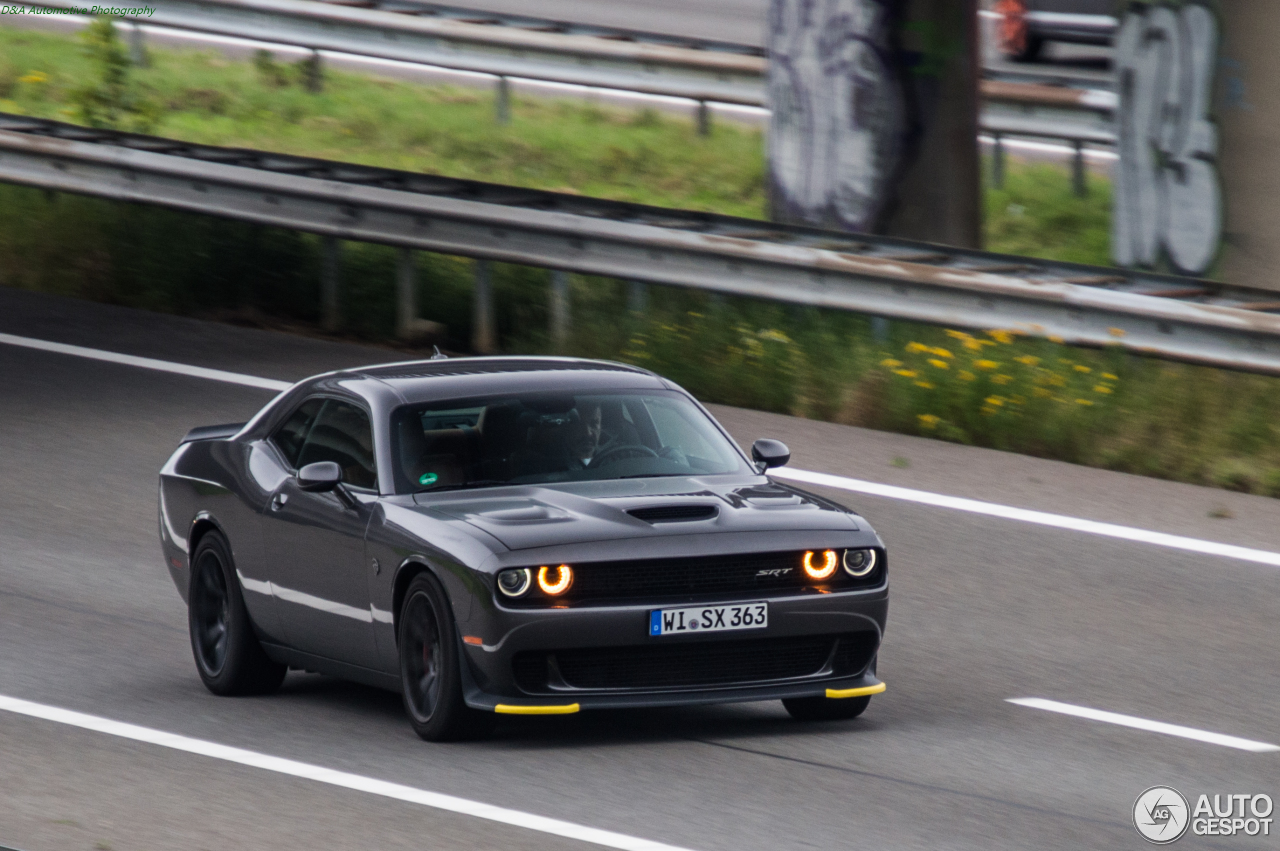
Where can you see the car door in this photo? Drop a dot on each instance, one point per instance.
(315, 541)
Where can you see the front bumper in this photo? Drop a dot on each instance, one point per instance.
(490, 683)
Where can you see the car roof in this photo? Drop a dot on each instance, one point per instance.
(445, 378)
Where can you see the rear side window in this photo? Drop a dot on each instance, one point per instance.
(341, 433)
(293, 434)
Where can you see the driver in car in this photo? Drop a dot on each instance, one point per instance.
(586, 444)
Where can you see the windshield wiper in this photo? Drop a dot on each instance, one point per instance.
(478, 483)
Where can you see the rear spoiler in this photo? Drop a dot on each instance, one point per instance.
(213, 432)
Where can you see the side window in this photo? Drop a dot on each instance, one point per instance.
(342, 433)
(290, 436)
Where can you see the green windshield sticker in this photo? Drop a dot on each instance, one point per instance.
(428, 479)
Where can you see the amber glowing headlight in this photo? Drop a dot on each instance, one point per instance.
(820, 565)
(514, 583)
(555, 580)
(859, 562)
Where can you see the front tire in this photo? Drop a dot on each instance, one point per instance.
(431, 668)
(826, 708)
(228, 657)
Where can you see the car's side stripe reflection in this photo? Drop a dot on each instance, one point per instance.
(311, 601)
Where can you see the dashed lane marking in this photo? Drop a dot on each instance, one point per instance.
(1144, 724)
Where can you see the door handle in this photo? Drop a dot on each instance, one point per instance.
(278, 501)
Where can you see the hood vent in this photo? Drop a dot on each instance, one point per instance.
(673, 513)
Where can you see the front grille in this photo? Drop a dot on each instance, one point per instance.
(671, 579)
(693, 665)
(673, 513)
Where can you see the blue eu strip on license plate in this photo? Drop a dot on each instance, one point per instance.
(718, 618)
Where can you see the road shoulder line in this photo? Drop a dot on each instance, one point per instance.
(332, 777)
(955, 503)
(1027, 515)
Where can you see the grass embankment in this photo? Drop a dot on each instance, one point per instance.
(1098, 408)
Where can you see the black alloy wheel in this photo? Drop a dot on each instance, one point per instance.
(430, 668)
(228, 657)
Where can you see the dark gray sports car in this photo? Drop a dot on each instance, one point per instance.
(516, 535)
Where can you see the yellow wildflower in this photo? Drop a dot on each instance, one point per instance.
(940, 364)
(959, 335)
(994, 401)
(988, 410)
(1018, 400)
(1110, 377)
(891, 363)
(985, 364)
(1027, 360)
(1057, 380)
(1055, 339)
(917, 347)
(1102, 388)
(34, 77)
(905, 373)
(942, 353)
(927, 385)
(1041, 393)
(1001, 379)
(1001, 336)
(1083, 402)
(974, 345)
(966, 375)
(1081, 368)
(929, 420)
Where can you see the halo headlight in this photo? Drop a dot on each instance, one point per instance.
(820, 565)
(859, 562)
(514, 583)
(555, 580)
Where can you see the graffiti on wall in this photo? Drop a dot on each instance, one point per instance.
(838, 111)
(1167, 196)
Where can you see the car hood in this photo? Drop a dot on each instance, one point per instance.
(524, 517)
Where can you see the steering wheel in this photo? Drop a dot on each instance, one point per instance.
(627, 450)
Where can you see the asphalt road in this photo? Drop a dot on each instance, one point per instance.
(982, 610)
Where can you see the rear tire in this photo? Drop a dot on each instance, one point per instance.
(228, 657)
(826, 708)
(431, 668)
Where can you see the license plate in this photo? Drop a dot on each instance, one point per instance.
(708, 618)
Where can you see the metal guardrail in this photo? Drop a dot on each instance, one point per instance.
(508, 47)
(647, 67)
(1171, 317)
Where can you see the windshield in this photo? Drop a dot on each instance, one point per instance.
(544, 438)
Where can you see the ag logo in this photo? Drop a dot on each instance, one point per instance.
(1161, 815)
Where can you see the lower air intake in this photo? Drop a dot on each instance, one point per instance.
(695, 664)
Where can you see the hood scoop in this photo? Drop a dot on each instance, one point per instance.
(674, 513)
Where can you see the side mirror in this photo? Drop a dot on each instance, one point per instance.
(320, 477)
(770, 453)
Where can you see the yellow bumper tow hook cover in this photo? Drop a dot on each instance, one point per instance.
(561, 709)
(855, 692)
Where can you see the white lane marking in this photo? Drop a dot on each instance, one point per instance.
(146, 363)
(343, 779)
(956, 503)
(1144, 724)
(1026, 515)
